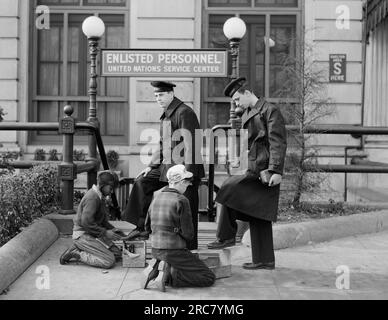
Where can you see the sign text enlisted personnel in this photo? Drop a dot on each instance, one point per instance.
(191, 63)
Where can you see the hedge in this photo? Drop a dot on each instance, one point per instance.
(26, 196)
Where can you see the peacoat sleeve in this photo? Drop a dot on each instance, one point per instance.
(277, 139)
(187, 120)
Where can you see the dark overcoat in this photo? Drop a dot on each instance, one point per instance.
(178, 144)
(267, 144)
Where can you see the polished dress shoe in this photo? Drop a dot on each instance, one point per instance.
(137, 234)
(69, 254)
(259, 265)
(220, 244)
(151, 273)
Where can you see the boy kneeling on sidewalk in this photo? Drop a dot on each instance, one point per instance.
(93, 235)
(172, 227)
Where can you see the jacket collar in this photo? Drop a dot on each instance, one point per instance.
(168, 189)
(247, 115)
(175, 103)
(96, 190)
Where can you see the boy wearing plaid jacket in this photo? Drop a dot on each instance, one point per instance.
(172, 228)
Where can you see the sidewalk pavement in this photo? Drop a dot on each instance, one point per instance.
(307, 272)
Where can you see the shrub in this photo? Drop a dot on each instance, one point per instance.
(78, 195)
(6, 159)
(113, 159)
(39, 155)
(79, 155)
(26, 196)
(2, 114)
(53, 155)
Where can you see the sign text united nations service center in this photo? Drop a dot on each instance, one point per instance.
(164, 63)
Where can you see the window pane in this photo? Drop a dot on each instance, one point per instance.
(59, 2)
(81, 109)
(217, 39)
(77, 56)
(114, 37)
(252, 53)
(218, 113)
(47, 112)
(105, 3)
(114, 125)
(283, 32)
(229, 3)
(50, 58)
(276, 3)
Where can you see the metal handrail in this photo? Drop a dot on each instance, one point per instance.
(355, 131)
(90, 166)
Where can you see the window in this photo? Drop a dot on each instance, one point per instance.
(121, 3)
(62, 68)
(259, 62)
(253, 3)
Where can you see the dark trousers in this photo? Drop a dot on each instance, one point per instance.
(141, 196)
(187, 270)
(261, 233)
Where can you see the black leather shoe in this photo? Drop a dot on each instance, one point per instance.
(137, 234)
(220, 244)
(70, 253)
(151, 275)
(259, 265)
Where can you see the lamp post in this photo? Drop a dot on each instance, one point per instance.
(234, 29)
(93, 28)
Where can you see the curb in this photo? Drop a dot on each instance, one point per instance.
(23, 250)
(303, 233)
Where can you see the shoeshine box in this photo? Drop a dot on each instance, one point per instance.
(133, 253)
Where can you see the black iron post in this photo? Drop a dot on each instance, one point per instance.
(92, 156)
(67, 170)
(234, 121)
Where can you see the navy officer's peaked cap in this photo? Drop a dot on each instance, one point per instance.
(233, 86)
(162, 86)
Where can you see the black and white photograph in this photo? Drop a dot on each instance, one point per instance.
(208, 151)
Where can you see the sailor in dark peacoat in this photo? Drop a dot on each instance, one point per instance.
(176, 115)
(246, 197)
(267, 149)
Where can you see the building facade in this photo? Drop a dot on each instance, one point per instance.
(44, 65)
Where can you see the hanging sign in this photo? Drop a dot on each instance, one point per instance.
(164, 63)
(337, 68)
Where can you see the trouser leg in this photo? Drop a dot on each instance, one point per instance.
(141, 196)
(94, 253)
(261, 241)
(242, 227)
(192, 195)
(187, 270)
(227, 225)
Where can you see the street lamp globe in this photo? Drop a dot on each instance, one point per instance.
(234, 28)
(93, 27)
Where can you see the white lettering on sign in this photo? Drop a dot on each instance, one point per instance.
(173, 58)
(198, 63)
(129, 58)
(343, 19)
(337, 68)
